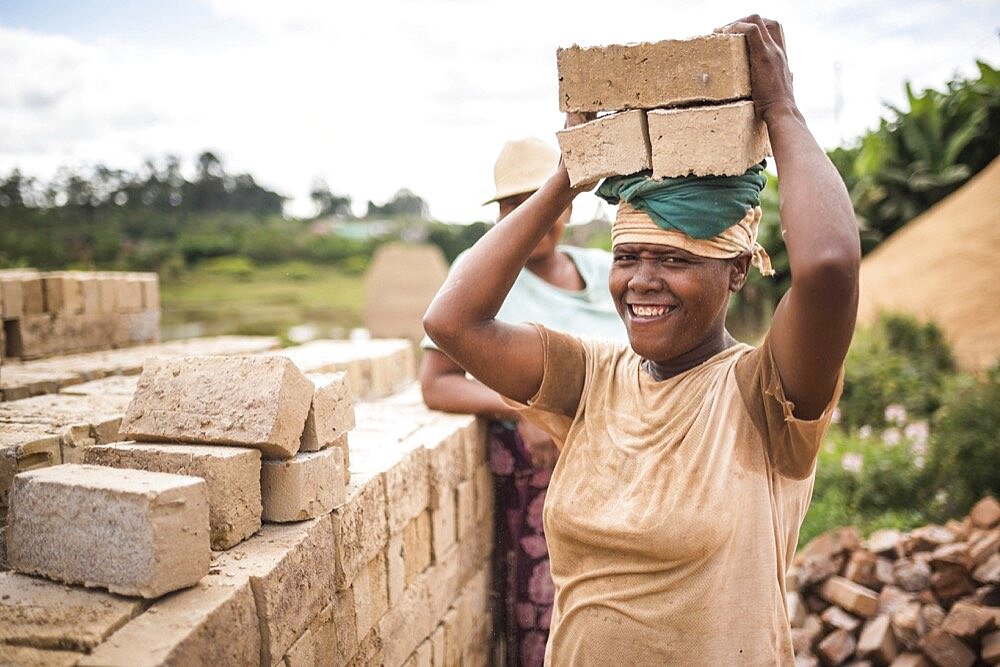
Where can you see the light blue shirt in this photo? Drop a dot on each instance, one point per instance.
(588, 313)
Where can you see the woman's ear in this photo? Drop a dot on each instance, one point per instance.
(738, 269)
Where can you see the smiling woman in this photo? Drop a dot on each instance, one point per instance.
(686, 459)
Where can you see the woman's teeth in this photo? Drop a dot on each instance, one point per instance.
(647, 311)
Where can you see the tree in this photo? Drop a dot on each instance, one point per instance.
(404, 204)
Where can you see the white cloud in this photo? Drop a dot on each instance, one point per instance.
(420, 93)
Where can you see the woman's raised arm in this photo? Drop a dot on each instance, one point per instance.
(505, 357)
(814, 323)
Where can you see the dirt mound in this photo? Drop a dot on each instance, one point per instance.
(944, 266)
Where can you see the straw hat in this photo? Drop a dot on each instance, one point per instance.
(523, 166)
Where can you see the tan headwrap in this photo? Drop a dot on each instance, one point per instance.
(634, 226)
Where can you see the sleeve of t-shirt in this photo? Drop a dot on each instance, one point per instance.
(555, 404)
(792, 444)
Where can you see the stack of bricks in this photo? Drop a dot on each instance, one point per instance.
(681, 107)
(929, 597)
(397, 572)
(60, 312)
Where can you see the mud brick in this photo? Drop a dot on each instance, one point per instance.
(407, 489)
(850, 596)
(25, 448)
(836, 647)
(291, 576)
(302, 653)
(953, 554)
(928, 538)
(407, 623)
(438, 645)
(877, 641)
(446, 575)
(891, 599)
(991, 648)
(465, 496)
(135, 328)
(90, 288)
(648, 75)
(908, 625)
(107, 291)
(814, 570)
(249, 401)
(718, 140)
(989, 572)
(950, 583)
(231, 473)
(946, 651)
(360, 529)
(130, 291)
(985, 513)
(63, 293)
(131, 531)
(445, 446)
(11, 297)
(912, 575)
(307, 485)
(613, 145)
(371, 595)
(886, 542)
(370, 650)
(25, 655)
(796, 609)
(42, 614)
(967, 621)
(334, 631)
(861, 569)
(984, 548)
(331, 414)
(836, 618)
(214, 623)
(910, 660)
(408, 554)
(150, 290)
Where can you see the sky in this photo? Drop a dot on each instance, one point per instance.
(380, 95)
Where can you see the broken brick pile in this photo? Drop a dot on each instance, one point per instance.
(60, 312)
(311, 566)
(681, 107)
(927, 597)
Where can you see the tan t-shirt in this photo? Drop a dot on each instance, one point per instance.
(674, 508)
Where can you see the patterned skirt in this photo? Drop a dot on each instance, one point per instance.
(522, 578)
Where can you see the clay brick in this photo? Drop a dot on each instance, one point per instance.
(986, 513)
(814, 570)
(850, 596)
(25, 655)
(291, 575)
(886, 542)
(836, 647)
(371, 595)
(928, 538)
(989, 572)
(130, 531)
(308, 485)
(466, 499)
(648, 75)
(891, 599)
(407, 623)
(861, 569)
(910, 660)
(951, 583)
(42, 614)
(984, 548)
(908, 626)
(912, 575)
(613, 145)
(331, 413)
(232, 475)
(796, 609)
(953, 554)
(877, 641)
(702, 141)
(214, 623)
(360, 530)
(946, 651)
(248, 401)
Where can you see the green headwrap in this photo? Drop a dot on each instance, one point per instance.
(699, 206)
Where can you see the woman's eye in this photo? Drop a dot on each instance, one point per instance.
(620, 259)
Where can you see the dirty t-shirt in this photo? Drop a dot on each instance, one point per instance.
(674, 508)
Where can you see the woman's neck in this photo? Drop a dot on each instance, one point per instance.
(557, 269)
(708, 348)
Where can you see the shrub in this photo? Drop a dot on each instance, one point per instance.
(896, 361)
(234, 267)
(964, 460)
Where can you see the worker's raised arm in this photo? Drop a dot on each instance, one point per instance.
(461, 320)
(814, 323)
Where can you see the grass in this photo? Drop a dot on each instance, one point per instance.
(222, 298)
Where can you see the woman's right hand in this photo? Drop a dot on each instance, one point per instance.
(539, 444)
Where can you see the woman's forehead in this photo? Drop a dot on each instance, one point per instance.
(650, 249)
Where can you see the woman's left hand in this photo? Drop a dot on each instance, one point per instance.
(770, 78)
